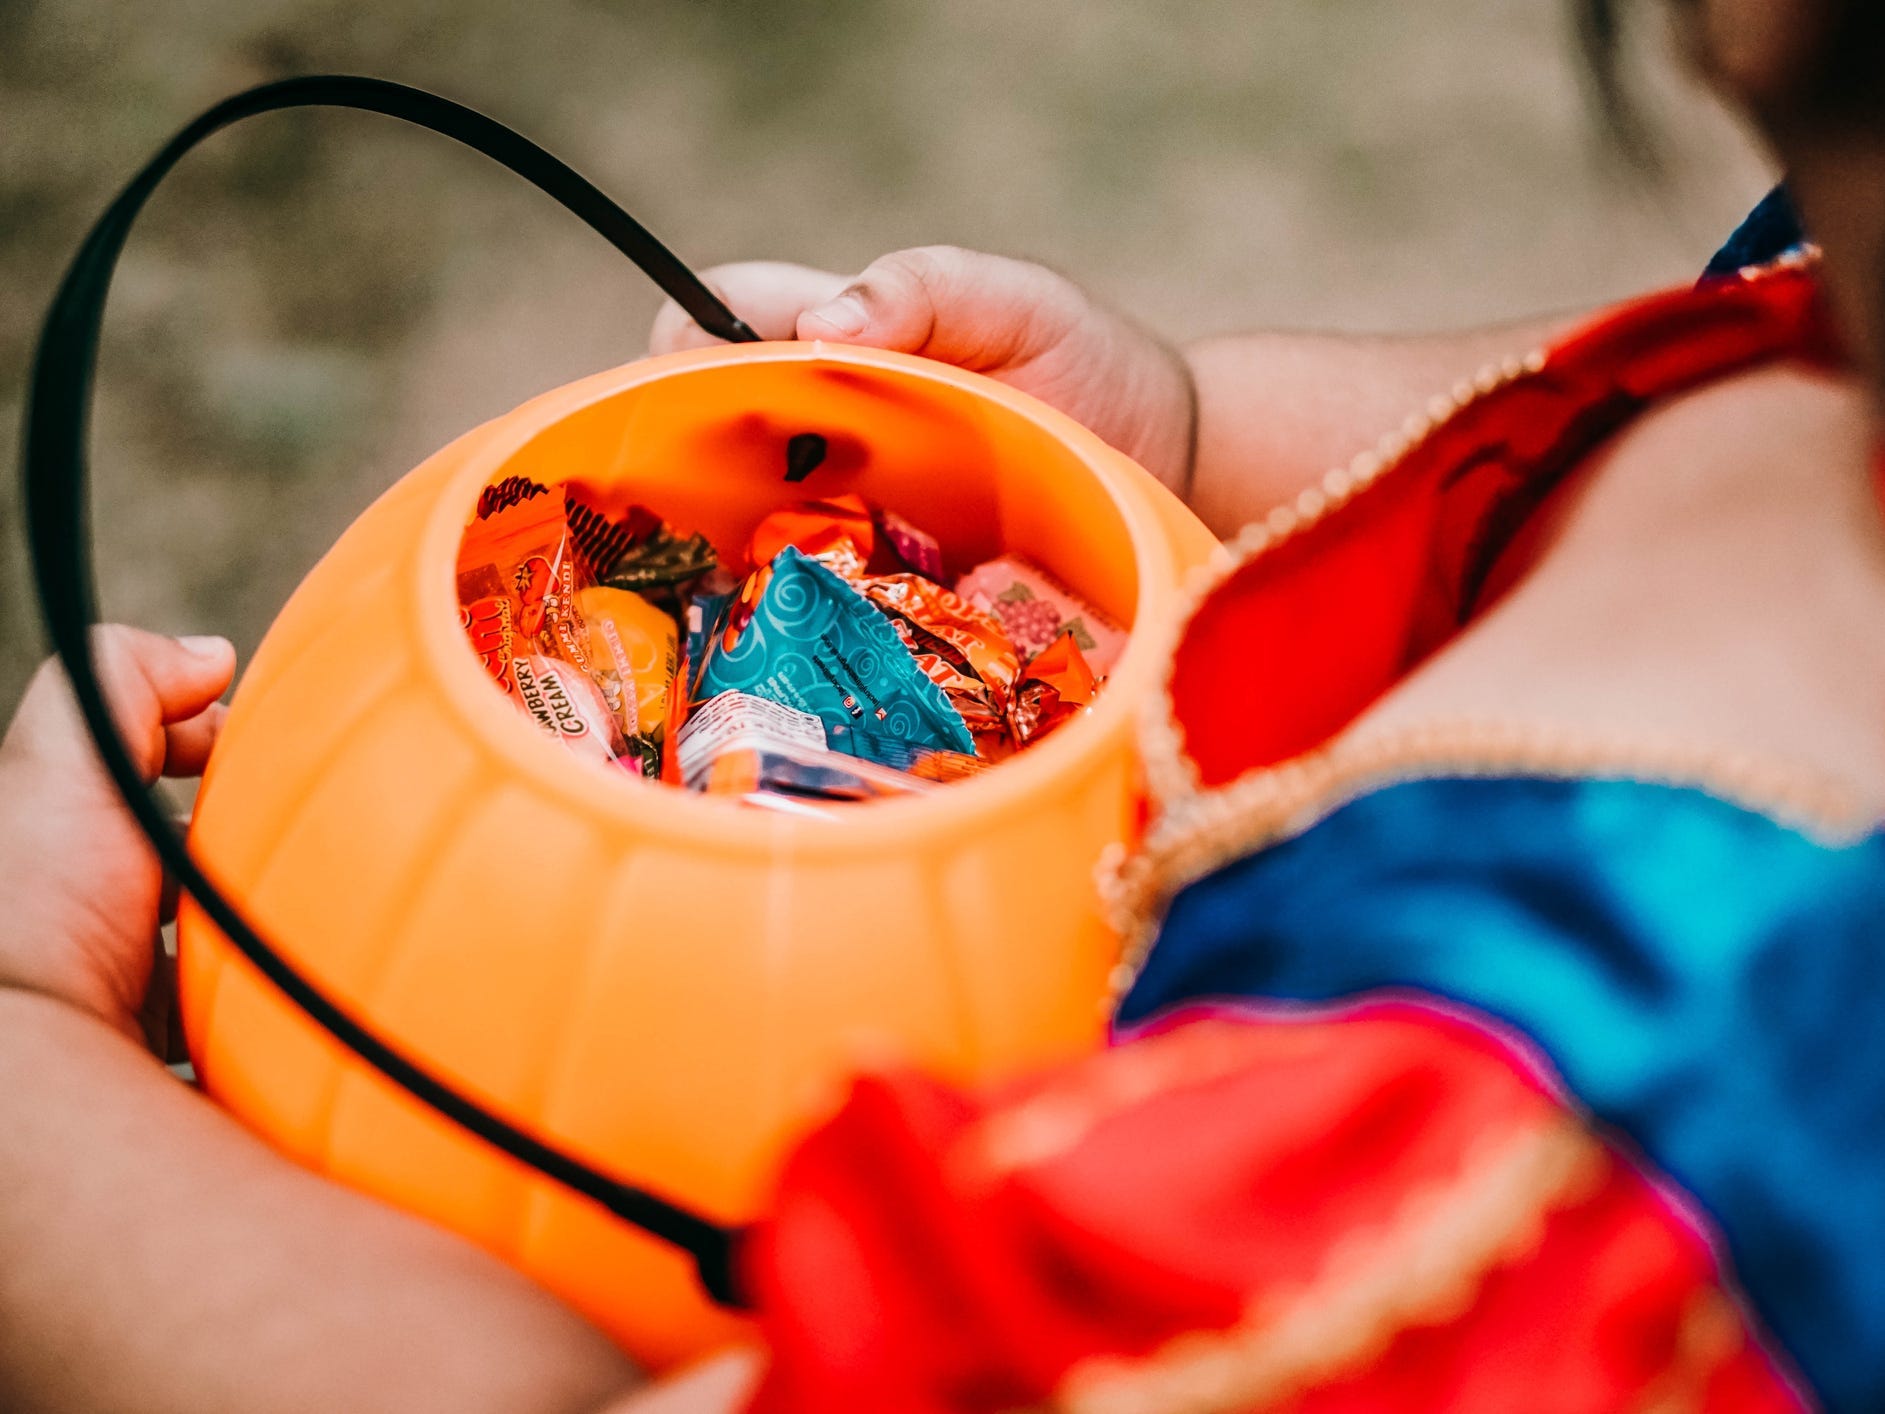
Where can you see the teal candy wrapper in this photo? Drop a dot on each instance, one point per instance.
(815, 643)
(706, 614)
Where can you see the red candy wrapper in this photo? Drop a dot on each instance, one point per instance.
(490, 623)
(1056, 686)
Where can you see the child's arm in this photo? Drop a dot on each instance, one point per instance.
(1273, 412)
(154, 1256)
(1278, 411)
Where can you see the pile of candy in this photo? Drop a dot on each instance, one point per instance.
(829, 665)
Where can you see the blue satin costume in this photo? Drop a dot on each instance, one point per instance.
(1705, 981)
(1702, 978)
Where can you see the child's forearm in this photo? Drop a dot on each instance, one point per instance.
(154, 1257)
(1277, 411)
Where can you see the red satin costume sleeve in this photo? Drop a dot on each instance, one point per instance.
(1367, 1214)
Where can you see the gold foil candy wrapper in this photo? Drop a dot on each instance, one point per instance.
(1056, 686)
(960, 649)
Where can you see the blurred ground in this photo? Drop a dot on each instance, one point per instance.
(317, 301)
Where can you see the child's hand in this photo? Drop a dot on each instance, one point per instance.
(81, 892)
(1017, 322)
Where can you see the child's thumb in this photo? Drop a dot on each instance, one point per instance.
(150, 682)
(977, 311)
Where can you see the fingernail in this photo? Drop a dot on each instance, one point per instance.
(206, 645)
(846, 314)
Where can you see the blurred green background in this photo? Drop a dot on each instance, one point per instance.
(317, 301)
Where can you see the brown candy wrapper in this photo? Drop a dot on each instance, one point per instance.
(959, 648)
(1056, 686)
(661, 560)
(508, 492)
(602, 540)
(635, 550)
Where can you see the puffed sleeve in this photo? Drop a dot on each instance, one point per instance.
(1381, 1212)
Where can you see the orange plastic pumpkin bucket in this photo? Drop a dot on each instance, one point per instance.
(665, 982)
(662, 983)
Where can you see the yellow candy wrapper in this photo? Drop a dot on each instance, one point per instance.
(642, 642)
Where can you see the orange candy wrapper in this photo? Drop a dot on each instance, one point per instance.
(943, 767)
(517, 583)
(753, 772)
(849, 536)
(516, 568)
(839, 533)
(1056, 686)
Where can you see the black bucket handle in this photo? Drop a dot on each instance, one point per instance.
(54, 468)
